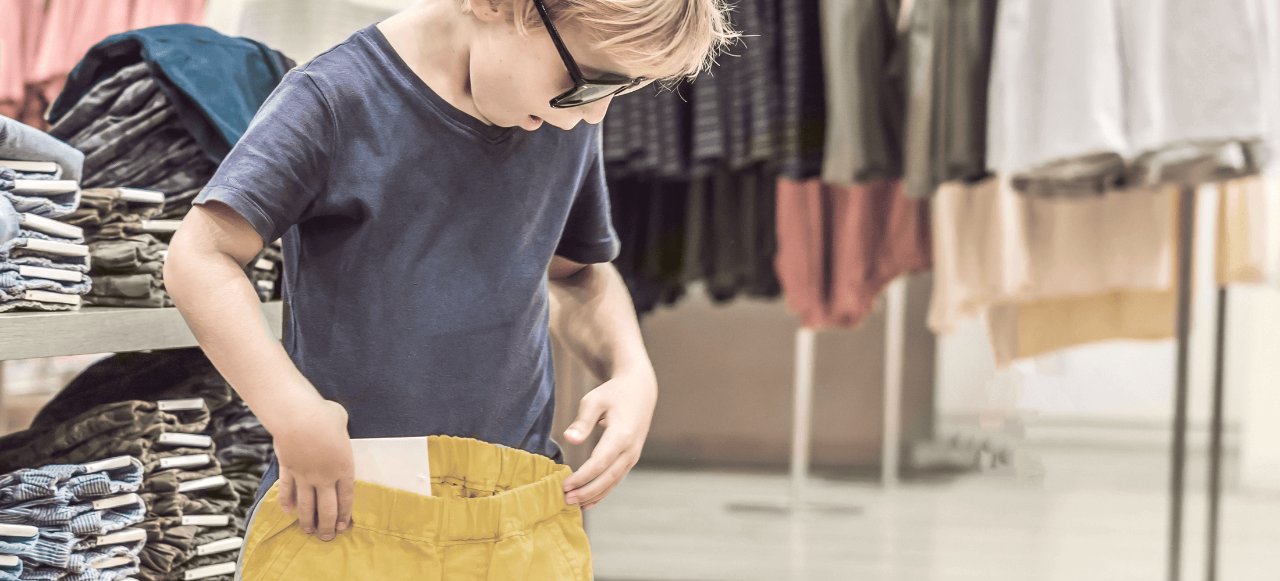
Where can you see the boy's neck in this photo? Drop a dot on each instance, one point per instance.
(434, 38)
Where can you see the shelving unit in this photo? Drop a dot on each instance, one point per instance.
(25, 335)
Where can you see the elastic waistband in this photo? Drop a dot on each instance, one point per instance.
(481, 491)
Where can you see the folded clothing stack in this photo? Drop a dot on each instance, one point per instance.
(71, 521)
(166, 409)
(43, 262)
(127, 253)
(265, 271)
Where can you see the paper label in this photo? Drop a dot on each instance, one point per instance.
(188, 461)
(59, 248)
(53, 227)
(51, 297)
(203, 483)
(50, 273)
(141, 196)
(181, 405)
(112, 562)
(109, 464)
(124, 536)
(221, 546)
(116, 501)
(210, 571)
(206, 520)
(18, 531)
(190, 440)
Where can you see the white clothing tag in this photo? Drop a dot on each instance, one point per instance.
(51, 273)
(210, 571)
(138, 196)
(30, 166)
(206, 520)
(45, 187)
(399, 463)
(123, 536)
(264, 264)
(59, 248)
(266, 285)
(202, 484)
(115, 463)
(51, 297)
(221, 546)
(51, 227)
(117, 501)
(9, 561)
(181, 405)
(112, 562)
(188, 461)
(190, 440)
(18, 531)
(161, 226)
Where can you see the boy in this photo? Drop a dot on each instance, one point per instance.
(424, 205)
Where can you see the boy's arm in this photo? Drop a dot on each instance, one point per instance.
(594, 315)
(203, 273)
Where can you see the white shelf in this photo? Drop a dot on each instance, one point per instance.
(24, 335)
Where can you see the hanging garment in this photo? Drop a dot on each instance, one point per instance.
(1127, 272)
(495, 513)
(864, 94)
(216, 83)
(803, 98)
(1056, 89)
(839, 247)
(979, 250)
(1242, 241)
(19, 33)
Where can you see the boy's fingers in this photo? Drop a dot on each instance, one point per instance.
(600, 459)
(306, 507)
(346, 498)
(288, 497)
(326, 511)
(589, 413)
(600, 485)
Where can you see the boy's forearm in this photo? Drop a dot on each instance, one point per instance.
(594, 316)
(224, 313)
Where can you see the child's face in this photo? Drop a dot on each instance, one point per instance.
(514, 77)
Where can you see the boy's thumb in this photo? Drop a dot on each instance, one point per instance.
(580, 429)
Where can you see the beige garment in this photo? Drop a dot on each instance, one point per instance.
(1142, 307)
(979, 250)
(1242, 241)
(993, 246)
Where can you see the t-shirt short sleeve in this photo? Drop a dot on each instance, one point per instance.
(589, 236)
(278, 170)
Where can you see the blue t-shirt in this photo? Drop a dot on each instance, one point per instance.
(416, 244)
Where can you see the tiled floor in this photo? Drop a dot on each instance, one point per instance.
(1094, 515)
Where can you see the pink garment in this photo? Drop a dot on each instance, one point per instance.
(838, 247)
(147, 13)
(19, 32)
(72, 27)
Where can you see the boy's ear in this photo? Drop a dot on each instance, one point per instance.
(487, 10)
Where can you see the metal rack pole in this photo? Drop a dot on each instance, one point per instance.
(1186, 230)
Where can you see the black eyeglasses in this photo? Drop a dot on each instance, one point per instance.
(584, 90)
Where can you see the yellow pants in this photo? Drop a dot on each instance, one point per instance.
(495, 513)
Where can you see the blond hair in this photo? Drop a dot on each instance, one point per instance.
(657, 39)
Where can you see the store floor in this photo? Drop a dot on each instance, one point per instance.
(1096, 515)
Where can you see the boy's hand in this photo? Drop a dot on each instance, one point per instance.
(624, 406)
(317, 472)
